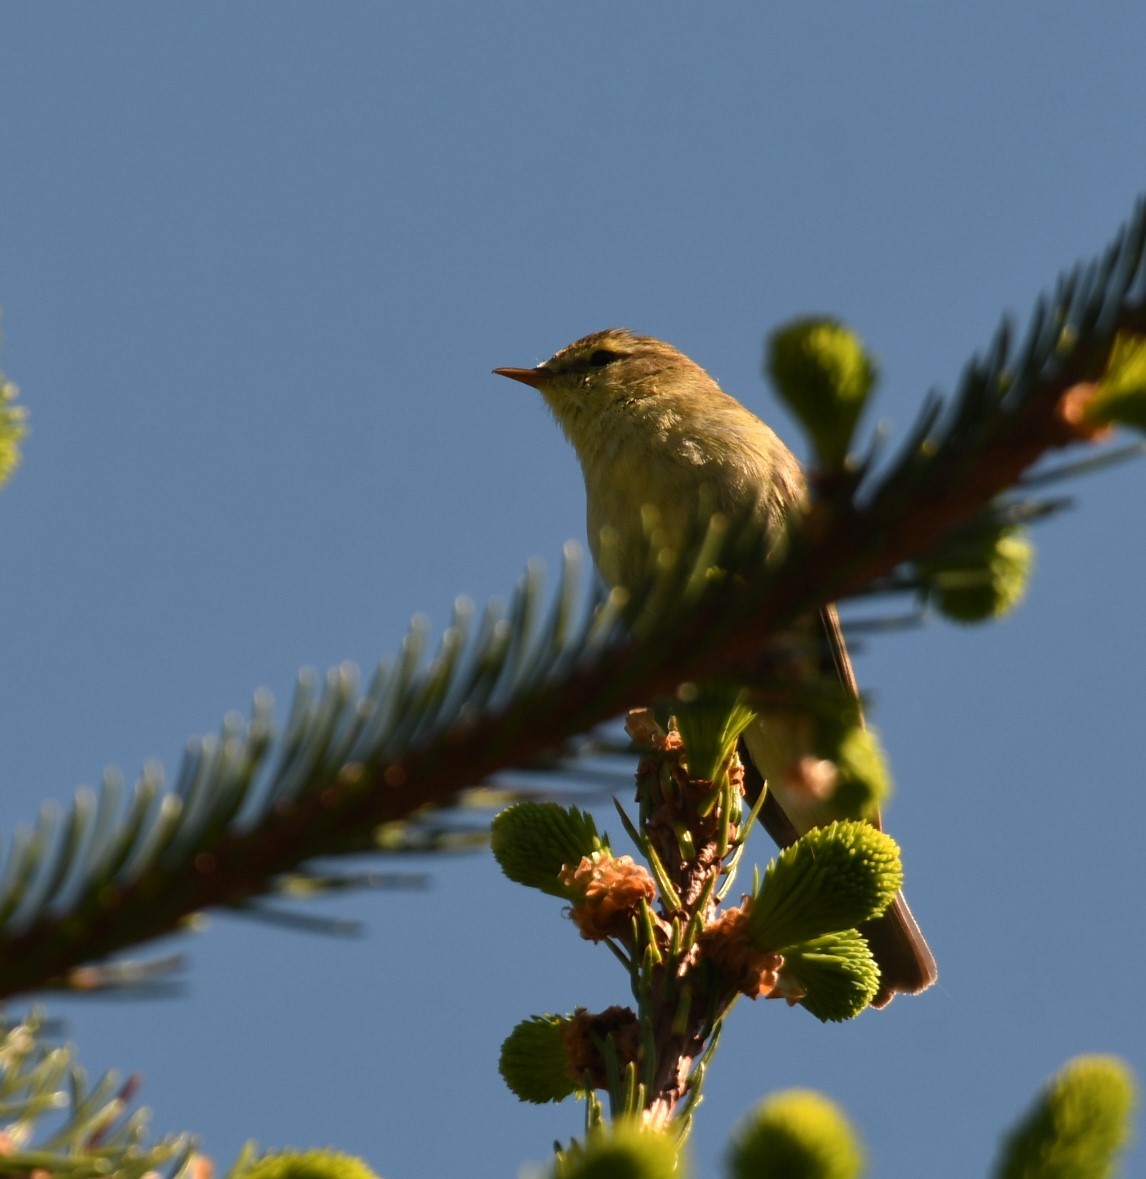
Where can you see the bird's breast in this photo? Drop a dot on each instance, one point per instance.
(683, 481)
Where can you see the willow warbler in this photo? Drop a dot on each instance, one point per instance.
(651, 427)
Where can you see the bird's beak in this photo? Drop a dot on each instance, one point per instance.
(527, 376)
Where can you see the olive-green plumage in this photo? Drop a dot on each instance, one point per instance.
(652, 428)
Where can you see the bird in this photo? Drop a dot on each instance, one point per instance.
(650, 427)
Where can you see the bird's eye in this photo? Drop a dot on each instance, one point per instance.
(602, 357)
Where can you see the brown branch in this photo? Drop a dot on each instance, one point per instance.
(843, 549)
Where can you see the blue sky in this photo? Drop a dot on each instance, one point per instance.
(256, 263)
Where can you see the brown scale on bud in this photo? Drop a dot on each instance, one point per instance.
(644, 728)
(736, 776)
(813, 778)
(585, 1034)
(607, 894)
(725, 944)
(1070, 416)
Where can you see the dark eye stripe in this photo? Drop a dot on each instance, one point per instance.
(602, 357)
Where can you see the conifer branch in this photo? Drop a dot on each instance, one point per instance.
(57, 1123)
(249, 809)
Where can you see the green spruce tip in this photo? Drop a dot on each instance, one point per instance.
(1077, 1126)
(534, 1060)
(308, 1164)
(824, 375)
(798, 1134)
(710, 719)
(863, 783)
(532, 841)
(832, 878)
(624, 1151)
(837, 974)
(1121, 397)
(980, 572)
(12, 429)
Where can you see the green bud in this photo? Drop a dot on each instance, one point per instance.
(834, 976)
(624, 1151)
(824, 375)
(532, 841)
(981, 572)
(1121, 395)
(830, 879)
(309, 1164)
(864, 779)
(12, 429)
(796, 1135)
(1078, 1125)
(534, 1060)
(709, 724)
